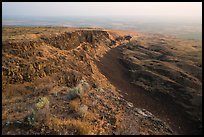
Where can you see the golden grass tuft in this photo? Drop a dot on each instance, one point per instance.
(74, 105)
(72, 126)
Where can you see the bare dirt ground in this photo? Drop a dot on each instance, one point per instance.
(162, 107)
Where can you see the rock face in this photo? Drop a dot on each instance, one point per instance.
(127, 37)
(16, 70)
(69, 41)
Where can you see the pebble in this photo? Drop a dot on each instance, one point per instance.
(130, 104)
(7, 123)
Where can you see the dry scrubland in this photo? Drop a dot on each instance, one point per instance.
(52, 85)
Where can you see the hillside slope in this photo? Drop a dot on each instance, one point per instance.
(53, 84)
(169, 70)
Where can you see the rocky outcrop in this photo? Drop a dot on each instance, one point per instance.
(71, 40)
(25, 61)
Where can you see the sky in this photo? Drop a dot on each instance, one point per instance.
(153, 9)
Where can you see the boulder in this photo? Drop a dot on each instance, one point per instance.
(127, 37)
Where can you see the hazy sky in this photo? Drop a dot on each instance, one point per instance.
(171, 9)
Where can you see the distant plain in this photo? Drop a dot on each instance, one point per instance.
(181, 28)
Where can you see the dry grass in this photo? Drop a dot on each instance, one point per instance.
(22, 33)
(17, 89)
(43, 81)
(74, 105)
(74, 126)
